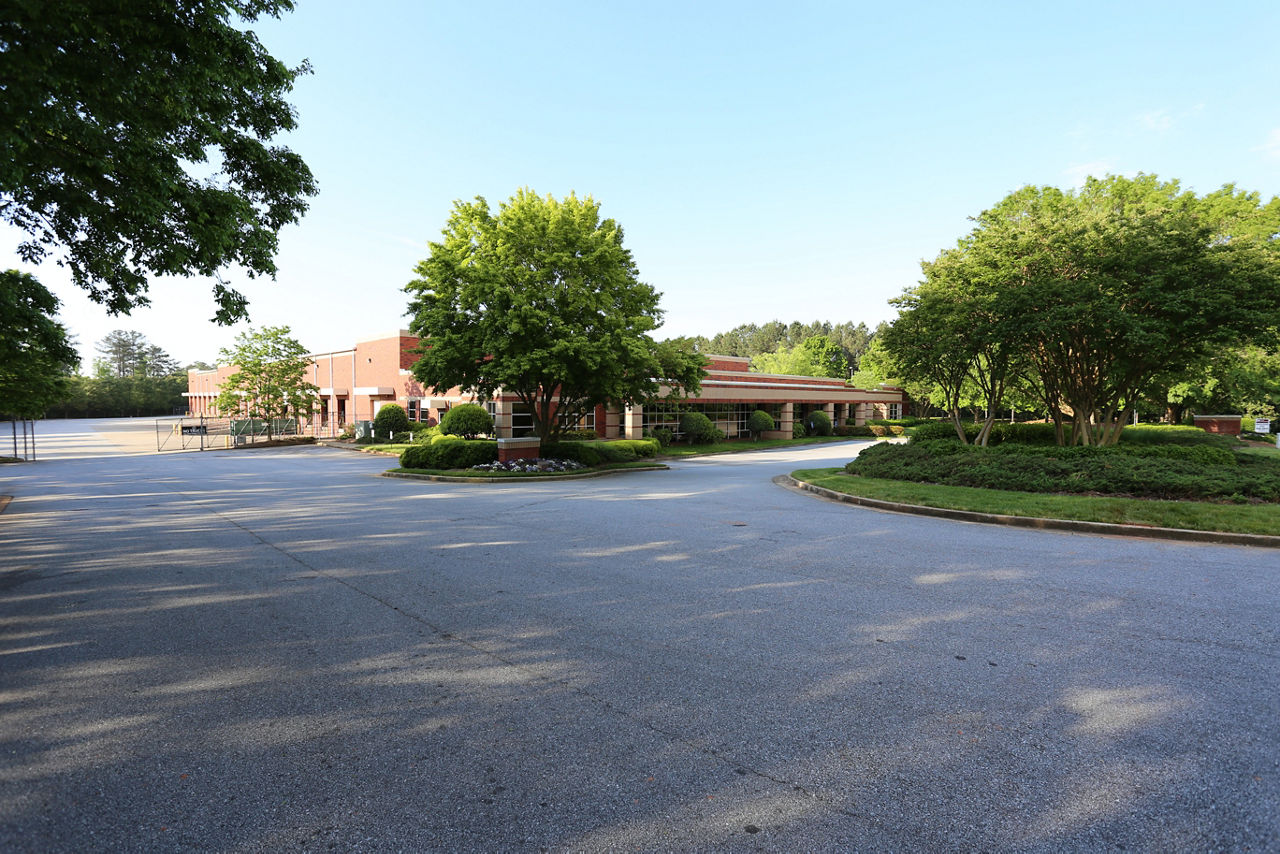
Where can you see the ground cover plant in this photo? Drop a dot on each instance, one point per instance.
(1149, 462)
(1188, 515)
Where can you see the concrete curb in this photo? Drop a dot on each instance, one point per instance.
(1112, 529)
(444, 478)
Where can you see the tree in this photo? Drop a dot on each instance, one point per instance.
(542, 300)
(1091, 296)
(815, 356)
(36, 356)
(111, 110)
(126, 353)
(270, 381)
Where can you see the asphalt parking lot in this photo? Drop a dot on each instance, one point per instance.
(280, 650)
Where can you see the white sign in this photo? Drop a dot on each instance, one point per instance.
(1262, 425)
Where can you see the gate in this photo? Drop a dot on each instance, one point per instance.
(205, 434)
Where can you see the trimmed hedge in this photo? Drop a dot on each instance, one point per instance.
(390, 419)
(597, 452)
(450, 453)
(1196, 472)
(853, 430)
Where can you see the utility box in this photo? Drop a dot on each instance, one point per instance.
(364, 429)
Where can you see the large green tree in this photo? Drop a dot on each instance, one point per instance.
(1094, 294)
(270, 381)
(36, 356)
(542, 300)
(134, 141)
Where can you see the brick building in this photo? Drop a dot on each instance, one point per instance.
(355, 383)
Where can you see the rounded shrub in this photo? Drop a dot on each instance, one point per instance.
(698, 429)
(390, 419)
(759, 422)
(663, 435)
(468, 420)
(818, 423)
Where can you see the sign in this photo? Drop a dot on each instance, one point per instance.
(1262, 425)
(194, 430)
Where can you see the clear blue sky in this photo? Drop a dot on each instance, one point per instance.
(766, 162)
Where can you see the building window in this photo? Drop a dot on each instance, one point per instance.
(895, 411)
(521, 421)
(413, 409)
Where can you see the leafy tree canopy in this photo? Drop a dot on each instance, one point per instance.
(270, 381)
(134, 142)
(542, 300)
(36, 357)
(816, 356)
(1089, 296)
(127, 353)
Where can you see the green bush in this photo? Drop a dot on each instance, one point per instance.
(452, 453)
(798, 430)
(698, 429)
(1196, 472)
(577, 435)
(759, 422)
(818, 423)
(638, 447)
(663, 435)
(586, 453)
(468, 420)
(390, 419)
(878, 430)
(853, 430)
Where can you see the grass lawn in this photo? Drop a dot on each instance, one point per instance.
(1193, 515)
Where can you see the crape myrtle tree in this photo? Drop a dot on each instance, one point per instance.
(541, 300)
(1094, 295)
(36, 356)
(134, 141)
(271, 378)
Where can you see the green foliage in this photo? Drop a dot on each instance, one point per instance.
(664, 435)
(587, 453)
(391, 418)
(467, 419)
(270, 379)
(127, 353)
(451, 453)
(114, 397)
(36, 356)
(1200, 472)
(853, 430)
(818, 423)
(1090, 296)
(108, 104)
(798, 430)
(698, 429)
(760, 422)
(543, 301)
(816, 356)
(580, 435)
(754, 340)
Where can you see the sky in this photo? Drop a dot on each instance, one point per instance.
(766, 161)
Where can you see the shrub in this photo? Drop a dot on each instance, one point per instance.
(663, 435)
(586, 453)
(797, 430)
(638, 447)
(878, 430)
(452, 453)
(758, 422)
(818, 423)
(390, 419)
(853, 430)
(467, 420)
(1168, 472)
(577, 435)
(698, 429)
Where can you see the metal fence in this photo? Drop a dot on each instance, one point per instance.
(205, 434)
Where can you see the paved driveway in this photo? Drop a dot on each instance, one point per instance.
(277, 649)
